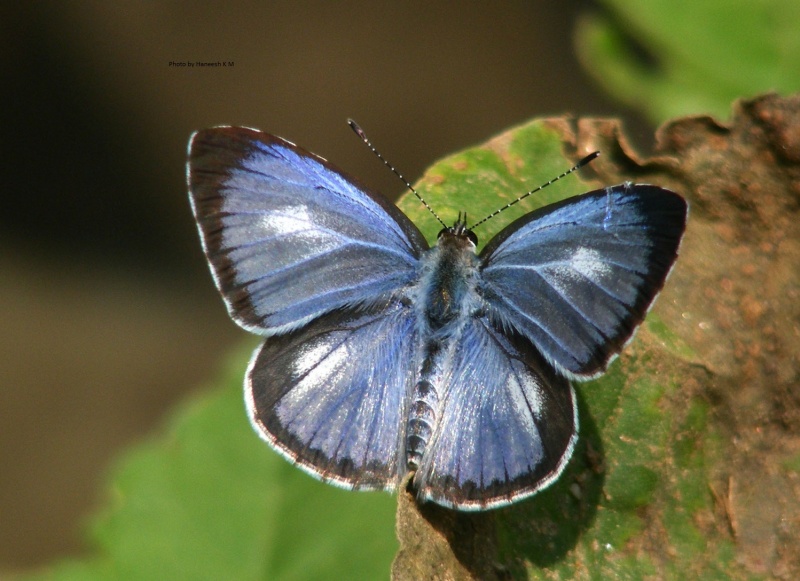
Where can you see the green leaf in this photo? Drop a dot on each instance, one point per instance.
(640, 497)
(482, 179)
(699, 56)
(206, 499)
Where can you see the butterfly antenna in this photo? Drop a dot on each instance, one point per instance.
(577, 166)
(360, 132)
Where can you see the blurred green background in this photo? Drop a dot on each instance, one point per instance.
(110, 318)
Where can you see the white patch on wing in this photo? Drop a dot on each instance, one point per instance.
(288, 221)
(318, 362)
(296, 223)
(589, 263)
(533, 395)
(584, 263)
(317, 365)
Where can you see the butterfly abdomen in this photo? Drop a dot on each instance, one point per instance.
(445, 297)
(421, 418)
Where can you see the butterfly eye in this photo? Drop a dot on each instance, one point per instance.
(460, 232)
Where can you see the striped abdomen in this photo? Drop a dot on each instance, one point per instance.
(424, 406)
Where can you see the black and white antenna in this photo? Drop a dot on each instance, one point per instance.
(577, 166)
(360, 132)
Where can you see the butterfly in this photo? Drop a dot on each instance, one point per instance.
(384, 356)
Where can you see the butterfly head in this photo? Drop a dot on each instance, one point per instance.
(460, 231)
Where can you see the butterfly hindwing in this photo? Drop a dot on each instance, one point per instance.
(332, 396)
(577, 277)
(289, 236)
(507, 423)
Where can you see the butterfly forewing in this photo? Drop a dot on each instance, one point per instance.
(288, 236)
(577, 277)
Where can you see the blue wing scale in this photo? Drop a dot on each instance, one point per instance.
(577, 277)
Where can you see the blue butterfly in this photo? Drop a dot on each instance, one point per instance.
(384, 356)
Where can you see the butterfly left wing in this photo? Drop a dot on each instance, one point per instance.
(507, 423)
(578, 276)
(332, 396)
(288, 235)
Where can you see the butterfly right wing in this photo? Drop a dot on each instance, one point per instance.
(578, 276)
(290, 237)
(332, 396)
(507, 423)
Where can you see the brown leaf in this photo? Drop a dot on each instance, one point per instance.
(734, 298)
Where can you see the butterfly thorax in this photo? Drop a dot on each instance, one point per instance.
(445, 299)
(448, 281)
